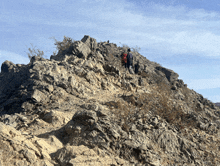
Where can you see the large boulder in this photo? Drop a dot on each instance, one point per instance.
(82, 50)
(91, 42)
(7, 66)
(170, 75)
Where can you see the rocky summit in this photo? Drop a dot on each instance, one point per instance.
(82, 107)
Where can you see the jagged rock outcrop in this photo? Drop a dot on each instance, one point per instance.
(82, 107)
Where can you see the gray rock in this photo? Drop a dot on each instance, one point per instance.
(84, 97)
(38, 96)
(7, 66)
(91, 42)
(30, 155)
(168, 141)
(82, 50)
(170, 75)
(85, 117)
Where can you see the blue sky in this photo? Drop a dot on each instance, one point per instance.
(182, 35)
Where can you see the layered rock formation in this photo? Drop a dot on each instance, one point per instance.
(82, 107)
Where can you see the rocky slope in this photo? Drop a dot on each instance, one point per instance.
(82, 107)
(217, 104)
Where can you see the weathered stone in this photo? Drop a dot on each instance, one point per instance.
(79, 71)
(83, 50)
(38, 96)
(7, 66)
(170, 75)
(81, 155)
(83, 107)
(168, 141)
(29, 155)
(91, 42)
(85, 117)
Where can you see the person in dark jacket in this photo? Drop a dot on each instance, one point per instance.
(130, 61)
(129, 58)
(136, 68)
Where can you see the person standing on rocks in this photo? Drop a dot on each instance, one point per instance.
(136, 68)
(130, 61)
(124, 59)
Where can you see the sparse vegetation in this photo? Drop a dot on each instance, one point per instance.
(136, 49)
(151, 117)
(63, 45)
(34, 52)
(124, 46)
(158, 101)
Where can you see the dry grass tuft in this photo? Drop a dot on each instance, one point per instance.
(159, 101)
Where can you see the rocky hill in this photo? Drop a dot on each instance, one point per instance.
(82, 107)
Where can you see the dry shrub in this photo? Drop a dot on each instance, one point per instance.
(123, 112)
(136, 49)
(124, 46)
(130, 108)
(173, 113)
(65, 44)
(35, 52)
(165, 107)
(62, 46)
(159, 101)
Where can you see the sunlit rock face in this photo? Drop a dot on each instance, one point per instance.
(83, 107)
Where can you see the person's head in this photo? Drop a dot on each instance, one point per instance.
(129, 50)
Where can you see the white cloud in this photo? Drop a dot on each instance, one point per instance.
(198, 84)
(45, 2)
(13, 57)
(171, 30)
(214, 98)
(192, 42)
(202, 14)
(161, 30)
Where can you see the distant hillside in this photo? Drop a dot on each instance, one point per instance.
(217, 104)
